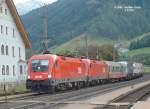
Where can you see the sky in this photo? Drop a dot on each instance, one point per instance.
(22, 1)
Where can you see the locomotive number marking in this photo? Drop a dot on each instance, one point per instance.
(38, 77)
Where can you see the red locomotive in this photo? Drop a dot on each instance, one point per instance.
(49, 72)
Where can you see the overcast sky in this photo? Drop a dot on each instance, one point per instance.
(45, 1)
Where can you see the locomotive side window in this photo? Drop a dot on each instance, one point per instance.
(110, 69)
(40, 65)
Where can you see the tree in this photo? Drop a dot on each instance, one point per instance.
(104, 52)
(68, 53)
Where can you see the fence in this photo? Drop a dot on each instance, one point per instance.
(13, 87)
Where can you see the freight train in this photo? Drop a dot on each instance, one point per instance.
(49, 72)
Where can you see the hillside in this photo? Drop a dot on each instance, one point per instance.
(29, 5)
(140, 42)
(79, 42)
(140, 55)
(24, 8)
(139, 52)
(69, 19)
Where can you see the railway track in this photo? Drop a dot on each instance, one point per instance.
(128, 100)
(51, 101)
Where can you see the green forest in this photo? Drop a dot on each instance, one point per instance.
(68, 19)
(140, 43)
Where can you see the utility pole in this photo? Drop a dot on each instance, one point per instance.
(98, 54)
(87, 49)
(76, 52)
(45, 28)
(115, 44)
(114, 51)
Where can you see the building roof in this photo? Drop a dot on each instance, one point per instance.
(18, 22)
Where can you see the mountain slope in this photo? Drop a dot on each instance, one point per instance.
(68, 19)
(29, 5)
(79, 41)
(139, 52)
(24, 8)
(140, 43)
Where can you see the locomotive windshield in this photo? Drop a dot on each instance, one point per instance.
(40, 65)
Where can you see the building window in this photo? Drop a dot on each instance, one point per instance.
(6, 30)
(13, 51)
(1, 9)
(21, 69)
(13, 32)
(19, 52)
(7, 50)
(25, 70)
(3, 70)
(7, 70)
(14, 70)
(6, 11)
(2, 50)
(1, 29)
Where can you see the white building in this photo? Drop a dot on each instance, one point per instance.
(13, 42)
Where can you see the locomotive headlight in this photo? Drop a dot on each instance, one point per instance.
(49, 76)
(29, 77)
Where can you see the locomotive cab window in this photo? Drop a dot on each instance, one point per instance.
(40, 65)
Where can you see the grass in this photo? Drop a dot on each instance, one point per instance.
(141, 36)
(20, 88)
(147, 69)
(137, 52)
(80, 42)
(13, 89)
(126, 43)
